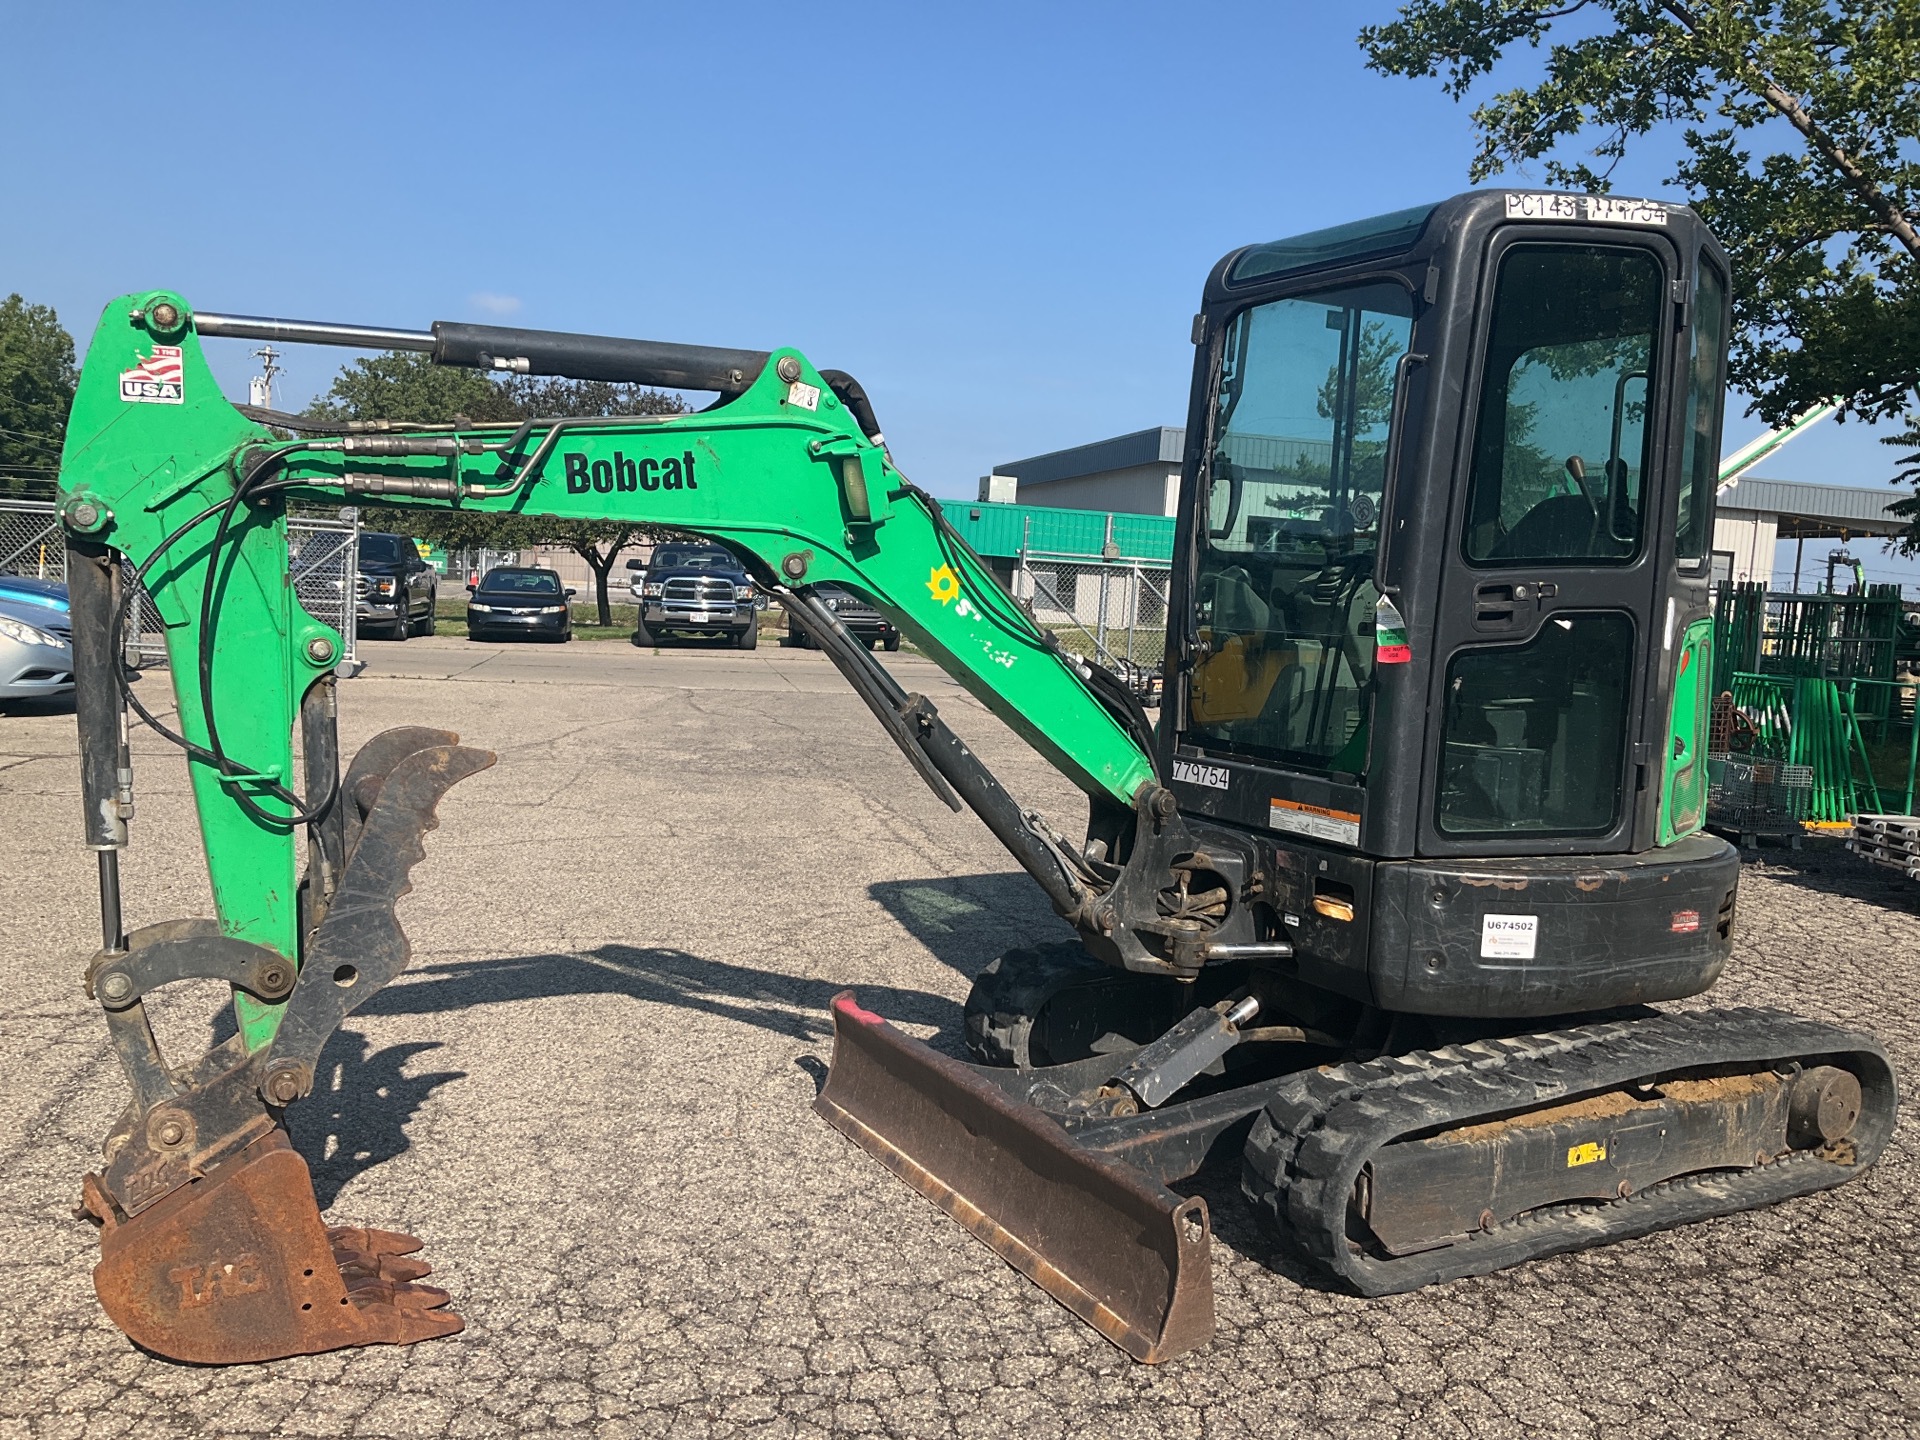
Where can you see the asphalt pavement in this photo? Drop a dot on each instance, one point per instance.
(590, 1096)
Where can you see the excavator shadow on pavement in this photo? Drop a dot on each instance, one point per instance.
(789, 1005)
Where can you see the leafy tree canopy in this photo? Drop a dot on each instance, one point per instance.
(411, 388)
(37, 378)
(1801, 126)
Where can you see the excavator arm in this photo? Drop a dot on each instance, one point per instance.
(212, 1243)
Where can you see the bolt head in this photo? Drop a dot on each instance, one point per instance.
(164, 316)
(320, 650)
(115, 985)
(787, 368)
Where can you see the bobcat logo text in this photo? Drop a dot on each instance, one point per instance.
(620, 473)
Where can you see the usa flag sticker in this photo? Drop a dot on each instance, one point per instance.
(158, 380)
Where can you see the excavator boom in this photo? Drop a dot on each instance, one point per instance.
(164, 482)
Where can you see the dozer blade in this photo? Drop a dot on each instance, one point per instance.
(237, 1267)
(1120, 1250)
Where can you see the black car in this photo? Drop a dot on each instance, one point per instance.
(396, 590)
(513, 601)
(698, 589)
(865, 623)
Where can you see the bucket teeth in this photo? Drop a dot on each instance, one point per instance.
(237, 1267)
(377, 1255)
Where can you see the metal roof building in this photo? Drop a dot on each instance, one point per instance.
(1002, 532)
(1752, 516)
(1137, 473)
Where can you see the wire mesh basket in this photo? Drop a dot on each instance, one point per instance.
(1752, 795)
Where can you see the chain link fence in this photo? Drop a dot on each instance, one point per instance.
(323, 559)
(1113, 611)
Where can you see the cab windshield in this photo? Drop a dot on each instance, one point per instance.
(1296, 479)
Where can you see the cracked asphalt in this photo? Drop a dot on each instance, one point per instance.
(590, 1097)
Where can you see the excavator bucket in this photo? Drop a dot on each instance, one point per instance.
(212, 1248)
(237, 1267)
(1120, 1250)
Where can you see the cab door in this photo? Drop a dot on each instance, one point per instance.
(1550, 593)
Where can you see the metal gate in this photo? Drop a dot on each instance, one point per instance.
(323, 558)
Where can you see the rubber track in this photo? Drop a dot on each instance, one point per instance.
(1011, 992)
(1307, 1149)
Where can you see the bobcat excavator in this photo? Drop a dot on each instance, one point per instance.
(1382, 905)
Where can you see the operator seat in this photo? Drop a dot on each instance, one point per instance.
(1559, 527)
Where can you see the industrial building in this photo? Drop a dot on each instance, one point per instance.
(1139, 474)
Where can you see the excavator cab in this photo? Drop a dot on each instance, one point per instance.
(1443, 601)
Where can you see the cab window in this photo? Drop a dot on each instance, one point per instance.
(1561, 447)
(1706, 391)
(1284, 650)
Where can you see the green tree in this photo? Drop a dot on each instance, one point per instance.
(1800, 121)
(37, 378)
(413, 389)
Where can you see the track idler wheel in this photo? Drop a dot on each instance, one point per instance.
(1053, 1003)
(238, 1267)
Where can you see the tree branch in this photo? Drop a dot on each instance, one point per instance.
(1789, 106)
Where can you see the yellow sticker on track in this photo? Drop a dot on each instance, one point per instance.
(1585, 1154)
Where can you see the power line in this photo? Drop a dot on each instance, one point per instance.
(53, 440)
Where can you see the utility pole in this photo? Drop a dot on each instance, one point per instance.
(260, 388)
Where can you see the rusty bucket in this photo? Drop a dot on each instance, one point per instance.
(237, 1266)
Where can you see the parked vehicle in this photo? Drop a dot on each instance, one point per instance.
(698, 590)
(40, 594)
(856, 612)
(514, 602)
(396, 590)
(36, 640)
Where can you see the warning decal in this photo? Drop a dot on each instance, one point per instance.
(1340, 826)
(158, 380)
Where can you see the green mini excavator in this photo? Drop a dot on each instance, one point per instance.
(1380, 907)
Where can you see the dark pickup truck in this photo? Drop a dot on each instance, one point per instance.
(865, 623)
(395, 590)
(697, 589)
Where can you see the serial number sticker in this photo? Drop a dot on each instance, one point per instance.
(1597, 209)
(1508, 937)
(1340, 826)
(1585, 1154)
(806, 396)
(1214, 777)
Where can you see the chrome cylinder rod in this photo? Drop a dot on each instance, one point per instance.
(311, 332)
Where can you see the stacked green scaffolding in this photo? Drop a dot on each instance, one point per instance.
(1815, 676)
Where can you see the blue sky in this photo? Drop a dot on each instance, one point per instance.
(998, 216)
